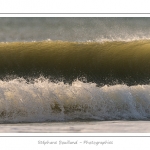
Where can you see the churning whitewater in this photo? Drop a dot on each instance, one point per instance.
(44, 100)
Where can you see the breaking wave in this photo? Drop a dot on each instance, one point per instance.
(102, 63)
(44, 100)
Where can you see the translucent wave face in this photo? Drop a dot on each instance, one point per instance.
(101, 63)
(44, 100)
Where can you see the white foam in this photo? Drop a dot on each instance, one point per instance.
(44, 100)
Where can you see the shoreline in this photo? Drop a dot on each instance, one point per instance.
(79, 127)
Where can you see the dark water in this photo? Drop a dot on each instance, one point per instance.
(101, 63)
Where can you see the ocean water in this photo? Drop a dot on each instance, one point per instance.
(80, 72)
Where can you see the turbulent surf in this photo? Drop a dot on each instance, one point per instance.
(49, 101)
(91, 69)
